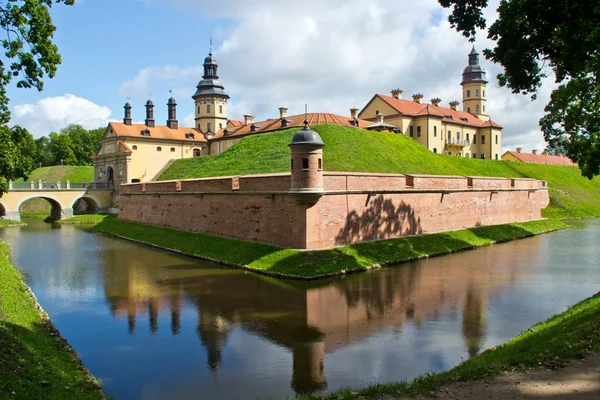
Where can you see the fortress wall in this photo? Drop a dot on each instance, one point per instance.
(262, 218)
(341, 216)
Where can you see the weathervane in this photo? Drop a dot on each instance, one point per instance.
(306, 116)
(210, 47)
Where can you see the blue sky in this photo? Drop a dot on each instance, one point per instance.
(332, 55)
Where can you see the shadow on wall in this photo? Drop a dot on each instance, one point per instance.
(381, 220)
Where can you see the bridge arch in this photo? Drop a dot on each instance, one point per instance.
(58, 209)
(91, 202)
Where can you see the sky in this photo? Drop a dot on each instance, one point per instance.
(331, 55)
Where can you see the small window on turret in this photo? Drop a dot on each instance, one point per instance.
(292, 164)
(477, 92)
(305, 163)
(477, 108)
(208, 108)
(220, 109)
(435, 131)
(484, 93)
(320, 164)
(468, 93)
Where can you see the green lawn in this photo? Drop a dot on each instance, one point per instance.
(36, 363)
(357, 150)
(549, 344)
(62, 173)
(8, 222)
(319, 263)
(84, 219)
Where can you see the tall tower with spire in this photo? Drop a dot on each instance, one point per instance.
(474, 85)
(210, 99)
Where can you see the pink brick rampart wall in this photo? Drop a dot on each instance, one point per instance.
(243, 207)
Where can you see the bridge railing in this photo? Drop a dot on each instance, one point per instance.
(67, 185)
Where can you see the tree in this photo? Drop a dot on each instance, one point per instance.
(17, 152)
(61, 147)
(534, 37)
(30, 55)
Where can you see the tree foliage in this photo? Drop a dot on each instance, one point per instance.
(534, 37)
(29, 53)
(73, 145)
(17, 154)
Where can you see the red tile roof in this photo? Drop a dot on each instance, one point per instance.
(235, 122)
(413, 109)
(293, 121)
(541, 158)
(156, 132)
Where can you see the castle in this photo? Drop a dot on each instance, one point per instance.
(140, 152)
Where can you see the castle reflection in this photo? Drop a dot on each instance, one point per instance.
(311, 319)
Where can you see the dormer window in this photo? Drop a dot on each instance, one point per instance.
(189, 135)
(284, 122)
(145, 132)
(464, 119)
(226, 131)
(254, 127)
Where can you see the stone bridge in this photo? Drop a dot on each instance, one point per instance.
(62, 196)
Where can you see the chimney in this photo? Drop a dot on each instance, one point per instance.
(249, 119)
(149, 114)
(397, 94)
(454, 105)
(127, 119)
(172, 112)
(519, 149)
(545, 152)
(418, 97)
(436, 101)
(534, 152)
(283, 112)
(354, 112)
(379, 117)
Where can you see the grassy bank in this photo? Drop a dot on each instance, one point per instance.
(37, 363)
(319, 263)
(353, 150)
(62, 173)
(8, 222)
(84, 219)
(549, 344)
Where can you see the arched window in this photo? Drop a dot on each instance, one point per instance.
(208, 108)
(220, 109)
(172, 149)
(134, 147)
(158, 148)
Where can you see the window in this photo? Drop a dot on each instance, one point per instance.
(134, 147)
(158, 148)
(411, 131)
(435, 131)
(484, 93)
(477, 92)
(220, 109)
(474, 155)
(208, 127)
(435, 150)
(305, 163)
(172, 149)
(468, 93)
(457, 137)
(476, 107)
(108, 148)
(483, 156)
(220, 125)
(419, 131)
(468, 109)
(376, 112)
(496, 139)
(496, 156)
(483, 108)
(449, 136)
(467, 137)
(320, 164)
(474, 139)
(482, 139)
(292, 164)
(189, 135)
(208, 108)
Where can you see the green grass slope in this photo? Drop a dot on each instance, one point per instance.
(357, 150)
(62, 173)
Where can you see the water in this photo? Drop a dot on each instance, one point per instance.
(154, 325)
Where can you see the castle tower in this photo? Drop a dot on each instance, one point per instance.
(210, 99)
(307, 165)
(474, 85)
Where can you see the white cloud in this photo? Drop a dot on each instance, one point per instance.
(339, 53)
(142, 83)
(54, 113)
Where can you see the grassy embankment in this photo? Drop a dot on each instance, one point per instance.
(357, 150)
(549, 345)
(7, 222)
(40, 208)
(36, 362)
(83, 219)
(318, 263)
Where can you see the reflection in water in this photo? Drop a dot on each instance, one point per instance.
(129, 310)
(310, 319)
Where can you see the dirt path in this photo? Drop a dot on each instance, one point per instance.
(580, 380)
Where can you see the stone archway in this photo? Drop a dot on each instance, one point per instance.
(86, 204)
(110, 175)
(57, 211)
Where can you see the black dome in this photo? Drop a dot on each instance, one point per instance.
(172, 101)
(149, 103)
(306, 136)
(210, 59)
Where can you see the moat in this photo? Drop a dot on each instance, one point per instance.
(154, 325)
